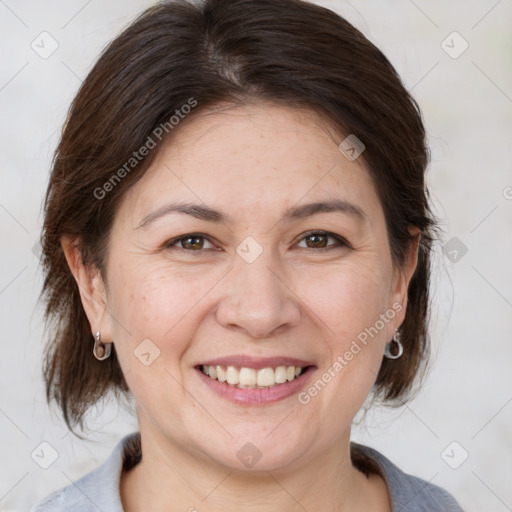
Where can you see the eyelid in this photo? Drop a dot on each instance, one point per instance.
(341, 241)
(173, 241)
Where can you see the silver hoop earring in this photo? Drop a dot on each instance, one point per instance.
(399, 350)
(101, 350)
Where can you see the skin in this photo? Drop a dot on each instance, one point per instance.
(253, 163)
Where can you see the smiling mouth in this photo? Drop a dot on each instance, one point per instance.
(251, 378)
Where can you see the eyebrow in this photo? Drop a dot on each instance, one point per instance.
(294, 213)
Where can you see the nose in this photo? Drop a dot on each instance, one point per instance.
(256, 299)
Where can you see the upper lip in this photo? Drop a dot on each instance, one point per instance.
(255, 362)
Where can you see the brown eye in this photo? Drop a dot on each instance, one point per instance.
(316, 241)
(193, 242)
(319, 240)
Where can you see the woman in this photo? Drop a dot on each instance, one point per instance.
(237, 234)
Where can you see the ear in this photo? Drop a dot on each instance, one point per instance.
(92, 288)
(402, 277)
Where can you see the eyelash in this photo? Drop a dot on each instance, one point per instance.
(340, 241)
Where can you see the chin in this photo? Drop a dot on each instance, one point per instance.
(257, 450)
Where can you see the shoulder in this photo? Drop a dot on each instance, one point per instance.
(407, 492)
(97, 490)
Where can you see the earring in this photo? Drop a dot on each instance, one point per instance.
(400, 349)
(101, 350)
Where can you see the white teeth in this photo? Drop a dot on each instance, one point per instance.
(266, 377)
(233, 375)
(221, 374)
(280, 374)
(247, 377)
(250, 378)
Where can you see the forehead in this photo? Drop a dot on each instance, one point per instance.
(253, 159)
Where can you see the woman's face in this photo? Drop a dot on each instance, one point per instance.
(248, 273)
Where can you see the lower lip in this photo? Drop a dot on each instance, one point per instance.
(242, 396)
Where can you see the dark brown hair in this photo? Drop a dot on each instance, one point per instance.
(215, 52)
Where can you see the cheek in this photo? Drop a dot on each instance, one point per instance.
(151, 310)
(158, 303)
(347, 298)
(348, 302)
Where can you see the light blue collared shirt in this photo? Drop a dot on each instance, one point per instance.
(98, 491)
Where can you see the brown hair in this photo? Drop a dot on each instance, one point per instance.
(217, 51)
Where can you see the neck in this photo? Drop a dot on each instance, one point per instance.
(170, 477)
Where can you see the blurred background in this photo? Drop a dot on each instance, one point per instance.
(456, 58)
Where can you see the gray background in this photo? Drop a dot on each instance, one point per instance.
(467, 105)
